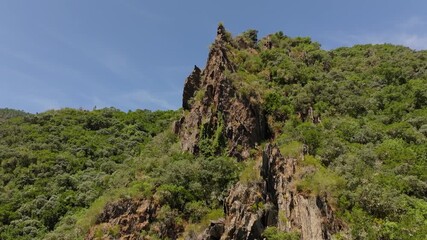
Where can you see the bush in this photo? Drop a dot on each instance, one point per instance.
(273, 233)
(250, 172)
(174, 196)
(320, 182)
(292, 149)
(195, 211)
(311, 136)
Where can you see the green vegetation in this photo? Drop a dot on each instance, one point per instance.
(272, 233)
(60, 168)
(58, 163)
(250, 172)
(197, 227)
(320, 180)
(360, 116)
(354, 118)
(6, 113)
(212, 140)
(291, 149)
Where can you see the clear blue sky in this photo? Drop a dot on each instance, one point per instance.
(134, 54)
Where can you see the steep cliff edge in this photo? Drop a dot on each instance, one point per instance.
(215, 115)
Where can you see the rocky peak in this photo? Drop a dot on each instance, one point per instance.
(216, 112)
(221, 33)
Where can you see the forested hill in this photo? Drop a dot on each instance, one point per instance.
(6, 113)
(55, 163)
(277, 139)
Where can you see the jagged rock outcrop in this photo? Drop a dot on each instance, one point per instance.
(311, 215)
(274, 201)
(129, 215)
(215, 107)
(245, 211)
(213, 111)
(192, 84)
(214, 231)
(127, 219)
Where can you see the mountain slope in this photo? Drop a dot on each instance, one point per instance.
(357, 114)
(347, 157)
(277, 139)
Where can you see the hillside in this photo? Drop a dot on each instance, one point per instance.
(6, 113)
(277, 138)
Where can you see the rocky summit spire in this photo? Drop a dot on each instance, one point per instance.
(221, 33)
(218, 118)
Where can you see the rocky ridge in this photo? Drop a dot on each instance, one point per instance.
(214, 108)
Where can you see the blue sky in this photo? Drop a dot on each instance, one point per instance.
(133, 54)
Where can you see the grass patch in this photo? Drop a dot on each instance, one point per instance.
(292, 149)
(320, 182)
(200, 94)
(273, 233)
(250, 172)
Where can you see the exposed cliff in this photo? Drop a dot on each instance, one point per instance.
(274, 201)
(216, 116)
(310, 215)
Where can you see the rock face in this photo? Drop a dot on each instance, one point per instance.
(214, 231)
(274, 201)
(216, 114)
(244, 214)
(192, 84)
(131, 219)
(215, 109)
(129, 216)
(311, 215)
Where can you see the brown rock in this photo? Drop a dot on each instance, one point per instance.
(192, 84)
(246, 212)
(127, 218)
(214, 231)
(241, 122)
(274, 201)
(310, 215)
